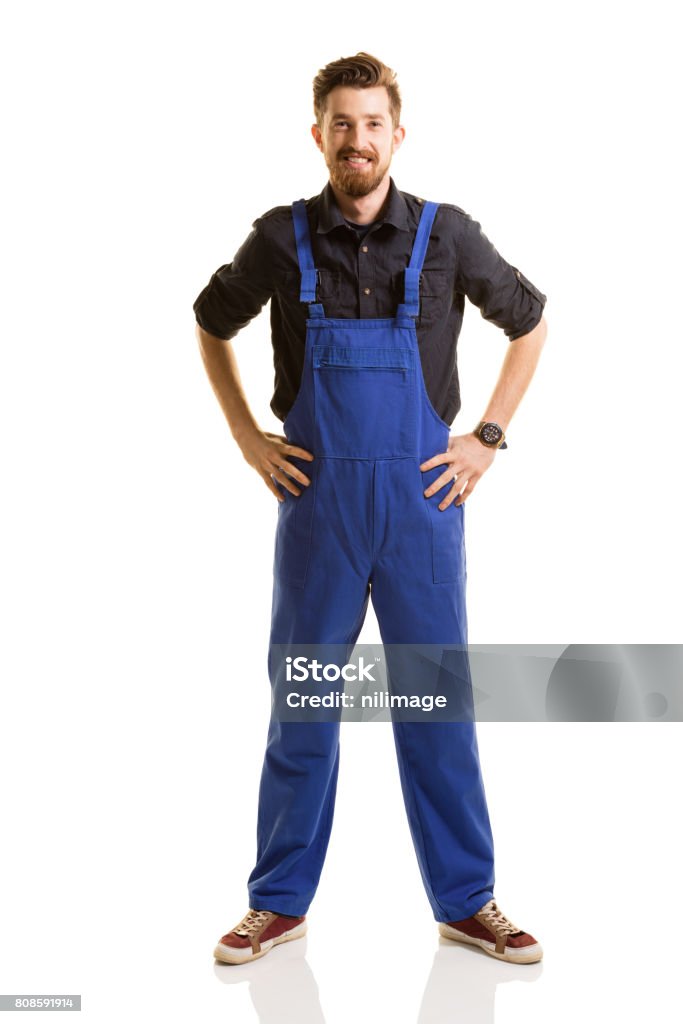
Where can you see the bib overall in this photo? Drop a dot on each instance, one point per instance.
(364, 527)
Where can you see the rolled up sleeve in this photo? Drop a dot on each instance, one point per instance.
(504, 296)
(237, 291)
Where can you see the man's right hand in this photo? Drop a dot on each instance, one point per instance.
(268, 453)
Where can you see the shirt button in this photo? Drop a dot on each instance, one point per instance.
(364, 248)
(366, 291)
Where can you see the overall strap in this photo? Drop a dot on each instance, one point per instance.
(309, 274)
(411, 305)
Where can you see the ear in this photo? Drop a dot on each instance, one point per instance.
(398, 137)
(317, 135)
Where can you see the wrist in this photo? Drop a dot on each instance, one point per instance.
(244, 431)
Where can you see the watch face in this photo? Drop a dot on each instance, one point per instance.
(491, 433)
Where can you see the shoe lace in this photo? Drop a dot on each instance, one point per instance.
(497, 919)
(251, 921)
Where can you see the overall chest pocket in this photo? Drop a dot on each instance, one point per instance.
(365, 401)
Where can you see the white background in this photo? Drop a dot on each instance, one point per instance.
(141, 141)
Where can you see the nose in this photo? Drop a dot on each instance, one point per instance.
(357, 141)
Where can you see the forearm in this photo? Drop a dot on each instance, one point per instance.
(518, 368)
(221, 368)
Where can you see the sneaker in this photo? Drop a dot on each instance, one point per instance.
(490, 929)
(256, 934)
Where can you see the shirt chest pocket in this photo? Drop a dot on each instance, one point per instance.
(436, 295)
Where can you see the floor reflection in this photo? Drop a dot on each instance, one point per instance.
(461, 985)
(281, 984)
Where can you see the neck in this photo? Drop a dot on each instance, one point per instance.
(363, 209)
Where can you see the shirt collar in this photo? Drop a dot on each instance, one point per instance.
(330, 215)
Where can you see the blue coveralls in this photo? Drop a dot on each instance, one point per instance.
(363, 526)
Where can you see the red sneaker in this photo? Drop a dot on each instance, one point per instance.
(490, 929)
(256, 934)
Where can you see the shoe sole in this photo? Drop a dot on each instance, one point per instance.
(532, 955)
(227, 956)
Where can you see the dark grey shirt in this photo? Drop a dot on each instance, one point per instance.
(362, 276)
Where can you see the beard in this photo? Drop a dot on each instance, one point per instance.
(353, 181)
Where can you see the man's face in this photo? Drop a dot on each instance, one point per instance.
(357, 138)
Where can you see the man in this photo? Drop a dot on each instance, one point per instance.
(367, 286)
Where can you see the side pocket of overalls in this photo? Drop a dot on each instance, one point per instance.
(449, 561)
(294, 531)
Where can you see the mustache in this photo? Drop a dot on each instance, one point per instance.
(352, 152)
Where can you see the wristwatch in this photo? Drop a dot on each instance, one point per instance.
(491, 434)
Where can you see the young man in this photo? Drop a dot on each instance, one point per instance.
(367, 287)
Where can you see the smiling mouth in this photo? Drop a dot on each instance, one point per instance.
(357, 161)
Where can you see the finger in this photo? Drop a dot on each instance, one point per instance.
(282, 478)
(293, 449)
(288, 467)
(441, 481)
(436, 460)
(270, 484)
(450, 497)
(464, 494)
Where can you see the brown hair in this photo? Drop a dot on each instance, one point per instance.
(360, 71)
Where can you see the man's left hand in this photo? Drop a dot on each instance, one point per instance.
(467, 459)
